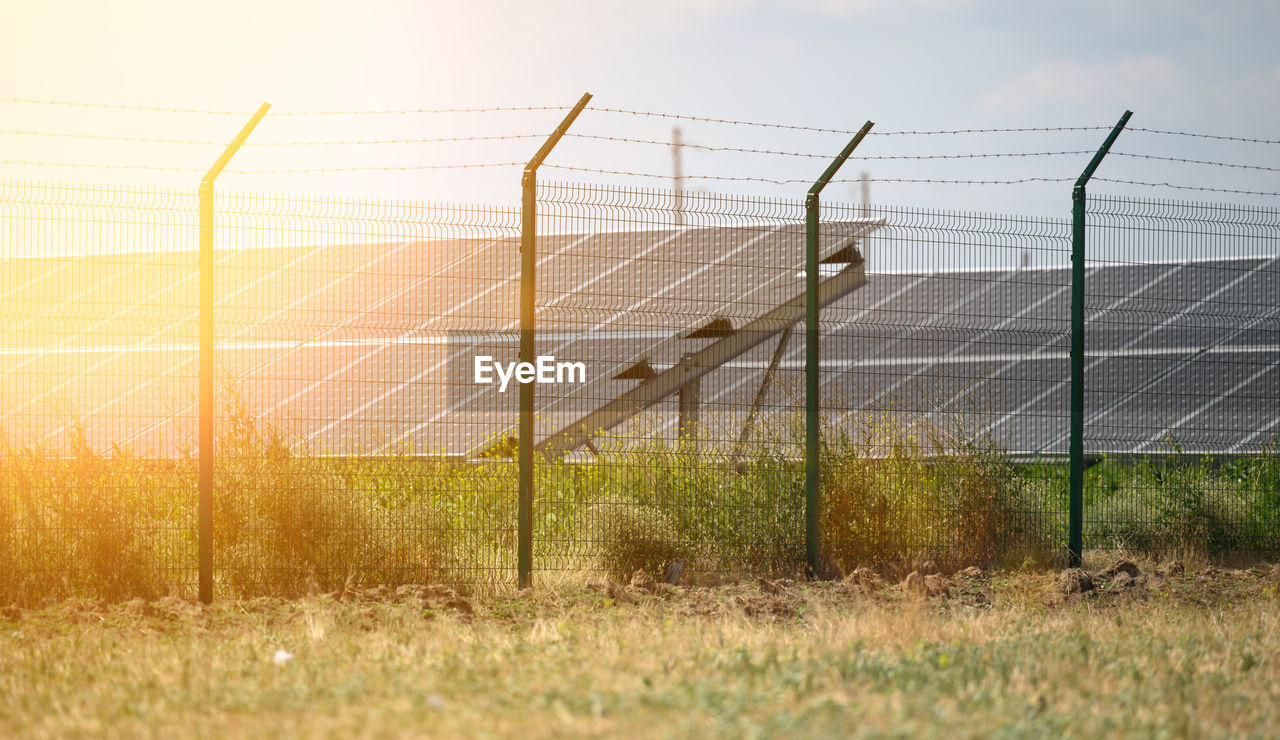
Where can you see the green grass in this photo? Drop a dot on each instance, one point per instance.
(1170, 661)
(289, 521)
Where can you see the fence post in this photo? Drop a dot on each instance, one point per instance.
(812, 376)
(528, 296)
(205, 533)
(1075, 504)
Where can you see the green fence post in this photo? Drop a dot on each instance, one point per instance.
(528, 296)
(1075, 504)
(205, 527)
(812, 376)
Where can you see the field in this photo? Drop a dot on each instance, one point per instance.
(1168, 653)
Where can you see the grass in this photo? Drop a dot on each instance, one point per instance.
(82, 522)
(1171, 659)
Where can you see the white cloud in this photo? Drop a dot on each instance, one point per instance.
(1079, 83)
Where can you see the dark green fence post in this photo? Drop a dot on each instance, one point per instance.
(204, 535)
(1075, 504)
(528, 353)
(812, 376)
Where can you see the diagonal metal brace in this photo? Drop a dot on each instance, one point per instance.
(697, 364)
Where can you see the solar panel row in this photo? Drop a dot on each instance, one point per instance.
(368, 347)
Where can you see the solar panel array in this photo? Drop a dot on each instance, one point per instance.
(368, 347)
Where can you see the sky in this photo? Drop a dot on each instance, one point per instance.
(908, 65)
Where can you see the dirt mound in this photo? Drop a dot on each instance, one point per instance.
(140, 608)
(642, 581)
(1120, 566)
(971, 587)
(930, 586)
(863, 580)
(1074, 581)
(618, 594)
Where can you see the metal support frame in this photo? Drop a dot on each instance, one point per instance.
(207, 410)
(694, 365)
(688, 405)
(748, 425)
(812, 377)
(1075, 504)
(528, 351)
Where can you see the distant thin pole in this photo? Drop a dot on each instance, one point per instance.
(677, 174)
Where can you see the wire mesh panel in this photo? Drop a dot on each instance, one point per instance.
(1182, 376)
(943, 380)
(98, 297)
(345, 335)
(681, 441)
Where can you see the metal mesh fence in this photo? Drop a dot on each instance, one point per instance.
(942, 378)
(1182, 376)
(943, 345)
(342, 327)
(675, 448)
(367, 398)
(342, 428)
(97, 298)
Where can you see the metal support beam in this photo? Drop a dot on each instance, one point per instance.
(528, 350)
(697, 364)
(1075, 504)
(204, 535)
(748, 426)
(689, 402)
(812, 376)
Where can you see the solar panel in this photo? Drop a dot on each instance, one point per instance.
(335, 338)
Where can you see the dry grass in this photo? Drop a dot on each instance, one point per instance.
(1185, 656)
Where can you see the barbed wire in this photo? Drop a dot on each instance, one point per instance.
(1198, 161)
(101, 166)
(413, 111)
(734, 122)
(309, 170)
(117, 106)
(824, 156)
(1187, 187)
(105, 137)
(623, 111)
(436, 140)
(1203, 136)
(374, 168)
(279, 113)
(251, 143)
(791, 181)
